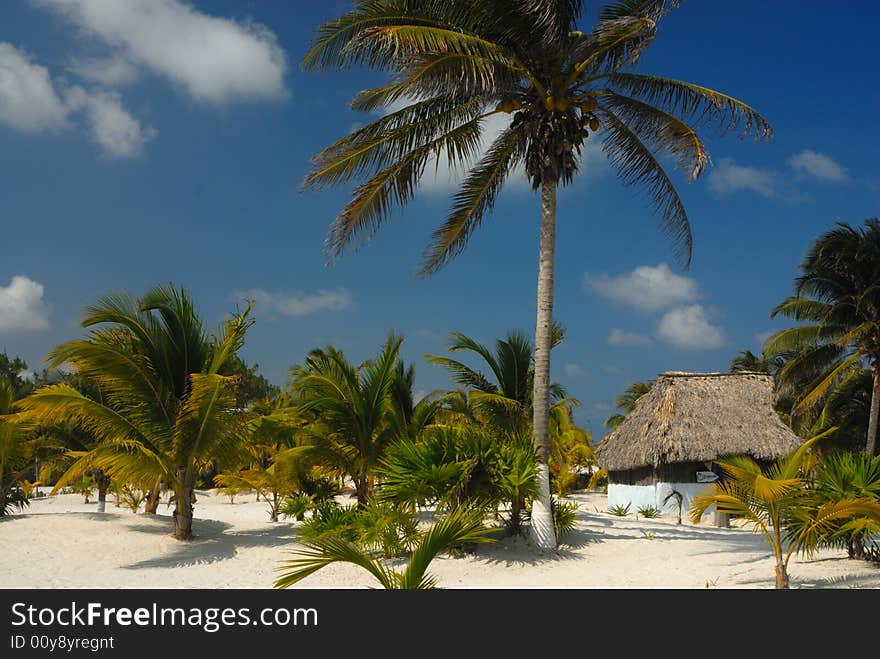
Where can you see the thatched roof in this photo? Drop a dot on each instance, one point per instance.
(696, 417)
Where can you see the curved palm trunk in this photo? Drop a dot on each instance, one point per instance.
(871, 446)
(152, 500)
(543, 534)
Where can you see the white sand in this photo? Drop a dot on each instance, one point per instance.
(59, 542)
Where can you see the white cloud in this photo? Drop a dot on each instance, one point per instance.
(110, 126)
(689, 328)
(22, 307)
(113, 71)
(298, 303)
(816, 165)
(27, 375)
(729, 177)
(600, 407)
(574, 370)
(28, 100)
(215, 60)
(619, 337)
(646, 288)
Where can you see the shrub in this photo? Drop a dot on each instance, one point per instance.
(619, 511)
(649, 512)
(564, 517)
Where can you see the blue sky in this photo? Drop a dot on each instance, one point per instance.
(146, 141)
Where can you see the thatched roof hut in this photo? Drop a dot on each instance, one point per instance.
(696, 418)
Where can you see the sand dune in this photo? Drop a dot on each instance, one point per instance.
(59, 542)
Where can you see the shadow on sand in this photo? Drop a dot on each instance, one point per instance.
(211, 544)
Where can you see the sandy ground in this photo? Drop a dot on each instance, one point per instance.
(60, 542)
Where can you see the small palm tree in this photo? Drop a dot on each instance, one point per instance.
(502, 397)
(352, 408)
(455, 63)
(626, 402)
(849, 476)
(778, 504)
(460, 527)
(838, 294)
(164, 412)
(746, 360)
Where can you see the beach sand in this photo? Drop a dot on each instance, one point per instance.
(60, 542)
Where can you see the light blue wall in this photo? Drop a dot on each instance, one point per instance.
(640, 496)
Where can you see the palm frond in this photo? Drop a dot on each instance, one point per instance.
(637, 166)
(694, 104)
(475, 199)
(321, 552)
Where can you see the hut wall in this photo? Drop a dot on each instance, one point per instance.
(681, 472)
(642, 496)
(649, 486)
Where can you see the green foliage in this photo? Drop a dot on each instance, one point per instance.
(251, 386)
(132, 498)
(778, 504)
(848, 476)
(378, 528)
(11, 370)
(454, 64)
(85, 486)
(626, 402)
(649, 512)
(571, 453)
(15, 452)
(449, 467)
(164, 413)
(460, 527)
(296, 506)
(619, 511)
(353, 411)
(13, 499)
(837, 296)
(502, 396)
(564, 517)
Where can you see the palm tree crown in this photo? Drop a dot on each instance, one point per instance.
(838, 295)
(455, 62)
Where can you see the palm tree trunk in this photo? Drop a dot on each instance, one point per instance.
(183, 513)
(543, 534)
(103, 484)
(152, 504)
(183, 508)
(871, 446)
(781, 575)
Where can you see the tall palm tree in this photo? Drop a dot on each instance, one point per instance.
(838, 293)
(454, 63)
(164, 412)
(626, 402)
(353, 410)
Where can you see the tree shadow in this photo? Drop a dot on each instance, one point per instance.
(213, 544)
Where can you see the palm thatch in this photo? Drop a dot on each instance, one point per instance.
(699, 417)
